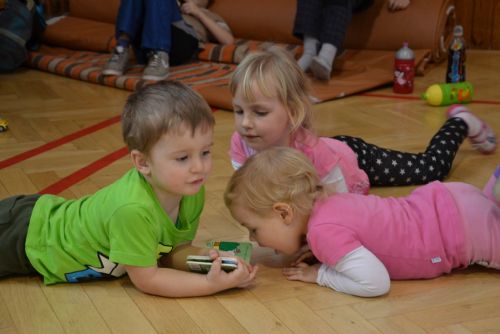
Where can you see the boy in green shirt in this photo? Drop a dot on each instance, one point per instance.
(152, 210)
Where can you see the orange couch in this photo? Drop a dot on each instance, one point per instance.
(373, 37)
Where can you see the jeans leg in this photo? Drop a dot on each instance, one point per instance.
(130, 18)
(158, 18)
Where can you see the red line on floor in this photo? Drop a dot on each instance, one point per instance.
(84, 172)
(58, 142)
(412, 97)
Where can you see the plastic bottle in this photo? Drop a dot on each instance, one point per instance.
(447, 94)
(456, 57)
(404, 70)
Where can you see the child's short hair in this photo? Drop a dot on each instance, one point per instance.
(276, 74)
(278, 174)
(159, 108)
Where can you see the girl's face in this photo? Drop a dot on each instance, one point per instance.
(278, 230)
(262, 123)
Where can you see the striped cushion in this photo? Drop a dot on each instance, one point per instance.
(234, 53)
(87, 66)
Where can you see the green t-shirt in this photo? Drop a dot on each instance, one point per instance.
(94, 236)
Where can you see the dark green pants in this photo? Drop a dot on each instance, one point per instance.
(15, 214)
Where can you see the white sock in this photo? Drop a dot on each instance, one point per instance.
(473, 123)
(310, 50)
(327, 53)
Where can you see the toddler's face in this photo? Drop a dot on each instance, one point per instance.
(179, 163)
(262, 123)
(270, 230)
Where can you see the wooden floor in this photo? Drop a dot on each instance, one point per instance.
(42, 108)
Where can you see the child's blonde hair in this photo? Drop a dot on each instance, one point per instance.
(157, 109)
(276, 74)
(278, 174)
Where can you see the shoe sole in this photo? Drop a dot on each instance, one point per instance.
(112, 72)
(154, 77)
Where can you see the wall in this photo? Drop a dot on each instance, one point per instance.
(481, 22)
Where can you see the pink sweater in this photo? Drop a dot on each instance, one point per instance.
(324, 153)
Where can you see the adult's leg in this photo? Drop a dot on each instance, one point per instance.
(386, 167)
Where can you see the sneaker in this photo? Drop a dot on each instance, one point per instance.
(157, 68)
(118, 62)
(320, 68)
(484, 140)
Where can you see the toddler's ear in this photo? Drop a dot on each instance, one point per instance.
(285, 211)
(140, 162)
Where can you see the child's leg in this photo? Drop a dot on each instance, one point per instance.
(481, 218)
(307, 26)
(15, 214)
(386, 167)
(336, 17)
(491, 188)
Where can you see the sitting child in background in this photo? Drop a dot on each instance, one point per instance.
(322, 25)
(272, 107)
(278, 197)
(158, 32)
(153, 210)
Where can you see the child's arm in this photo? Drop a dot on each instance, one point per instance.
(359, 273)
(169, 282)
(222, 35)
(395, 5)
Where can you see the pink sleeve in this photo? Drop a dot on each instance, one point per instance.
(330, 243)
(237, 150)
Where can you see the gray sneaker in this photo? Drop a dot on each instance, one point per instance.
(157, 68)
(118, 62)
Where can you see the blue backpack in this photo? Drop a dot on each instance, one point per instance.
(17, 24)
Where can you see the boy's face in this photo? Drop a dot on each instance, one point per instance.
(179, 163)
(281, 232)
(263, 123)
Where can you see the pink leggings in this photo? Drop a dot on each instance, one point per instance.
(481, 217)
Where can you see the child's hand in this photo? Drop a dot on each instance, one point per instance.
(242, 277)
(304, 255)
(190, 8)
(395, 5)
(302, 272)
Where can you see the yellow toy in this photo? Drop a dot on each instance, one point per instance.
(447, 94)
(4, 125)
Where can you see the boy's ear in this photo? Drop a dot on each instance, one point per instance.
(140, 162)
(284, 210)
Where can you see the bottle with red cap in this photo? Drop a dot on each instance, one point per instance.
(404, 70)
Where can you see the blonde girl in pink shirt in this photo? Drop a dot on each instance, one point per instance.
(272, 107)
(278, 196)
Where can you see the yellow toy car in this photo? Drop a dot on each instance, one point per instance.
(3, 125)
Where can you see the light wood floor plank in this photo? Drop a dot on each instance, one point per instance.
(29, 308)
